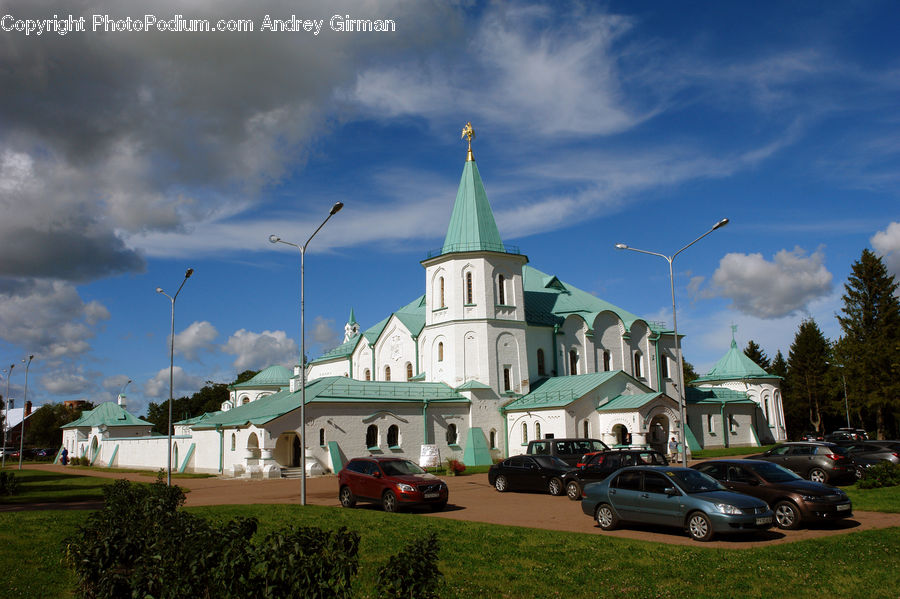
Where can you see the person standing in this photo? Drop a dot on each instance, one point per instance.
(65, 457)
(673, 449)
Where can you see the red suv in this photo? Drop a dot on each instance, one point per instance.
(392, 482)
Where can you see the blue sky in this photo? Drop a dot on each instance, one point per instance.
(127, 157)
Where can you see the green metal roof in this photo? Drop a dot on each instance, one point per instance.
(735, 365)
(372, 333)
(273, 375)
(472, 384)
(715, 395)
(548, 301)
(332, 389)
(341, 351)
(352, 319)
(472, 227)
(110, 414)
(560, 391)
(628, 402)
(412, 315)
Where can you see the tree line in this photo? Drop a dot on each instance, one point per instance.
(851, 381)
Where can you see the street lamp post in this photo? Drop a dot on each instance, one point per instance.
(681, 394)
(172, 298)
(276, 239)
(24, 403)
(6, 419)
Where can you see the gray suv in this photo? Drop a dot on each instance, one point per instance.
(819, 462)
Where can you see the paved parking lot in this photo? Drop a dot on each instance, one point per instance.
(473, 499)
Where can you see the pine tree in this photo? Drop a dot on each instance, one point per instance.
(759, 357)
(869, 349)
(808, 364)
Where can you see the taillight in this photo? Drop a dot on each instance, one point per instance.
(834, 456)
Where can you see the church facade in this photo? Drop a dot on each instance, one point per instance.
(493, 354)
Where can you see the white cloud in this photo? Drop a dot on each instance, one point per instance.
(260, 350)
(887, 244)
(48, 317)
(325, 333)
(66, 383)
(772, 289)
(184, 384)
(199, 336)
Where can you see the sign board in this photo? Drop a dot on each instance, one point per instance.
(430, 456)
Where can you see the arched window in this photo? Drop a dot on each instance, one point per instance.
(451, 434)
(469, 288)
(542, 371)
(387, 373)
(245, 400)
(393, 439)
(442, 304)
(409, 373)
(233, 441)
(322, 437)
(368, 375)
(524, 433)
(638, 373)
(493, 439)
(506, 385)
(440, 352)
(537, 430)
(501, 290)
(607, 361)
(573, 362)
(372, 437)
(586, 430)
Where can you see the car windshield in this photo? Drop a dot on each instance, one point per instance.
(589, 446)
(773, 473)
(400, 467)
(549, 461)
(692, 481)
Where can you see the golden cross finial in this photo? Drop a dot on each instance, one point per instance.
(469, 133)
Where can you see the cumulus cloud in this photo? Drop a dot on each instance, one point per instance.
(48, 317)
(773, 289)
(260, 350)
(199, 336)
(184, 384)
(887, 245)
(66, 383)
(325, 333)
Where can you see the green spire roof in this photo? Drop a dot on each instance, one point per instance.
(352, 318)
(472, 227)
(734, 365)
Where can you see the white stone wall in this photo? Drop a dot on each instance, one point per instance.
(395, 348)
(335, 367)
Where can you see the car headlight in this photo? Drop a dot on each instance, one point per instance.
(810, 498)
(726, 508)
(405, 487)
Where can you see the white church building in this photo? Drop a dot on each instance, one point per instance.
(493, 354)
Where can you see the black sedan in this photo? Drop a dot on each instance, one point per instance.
(529, 473)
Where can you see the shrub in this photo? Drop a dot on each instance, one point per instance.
(141, 545)
(455, 466)
(883, 474)
(8, 483)
(412, 573)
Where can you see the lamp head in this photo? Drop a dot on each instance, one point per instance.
(336, 208)
(159, 290)
(720, 224)
(274, 238)
(621, 246)
(188, 273)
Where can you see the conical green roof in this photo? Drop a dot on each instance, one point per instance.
(472, 227)
(273, 375)
(734, 365)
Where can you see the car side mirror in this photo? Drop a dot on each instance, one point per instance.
(670, 491)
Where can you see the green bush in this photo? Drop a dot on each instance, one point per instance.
(8, 483)
(412, 573)
(883, 474)
(141, 545)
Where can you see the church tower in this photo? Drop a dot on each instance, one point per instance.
(351, 329)
(475, 305)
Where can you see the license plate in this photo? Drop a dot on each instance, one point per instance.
(431, 495)
(766, 520)
(843, 508)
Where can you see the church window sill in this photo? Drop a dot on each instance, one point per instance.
(454, 446)
(469, 305)
(441, 309)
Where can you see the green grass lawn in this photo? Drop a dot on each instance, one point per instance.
(484, 560)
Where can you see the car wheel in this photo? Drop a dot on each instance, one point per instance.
(699, 527)
(573, 490)
(347, 498)
(555, 486)
(860, 472)
(606, 517)
(500, 484)
(787, 516)
(818, 475)
(389, 501)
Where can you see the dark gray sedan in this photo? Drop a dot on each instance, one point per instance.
(678, 497)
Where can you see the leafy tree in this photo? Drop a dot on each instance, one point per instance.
(869, 349)
(207, 399)
(43, 428)
(690, 375)
(759, 357)
(808, 364)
